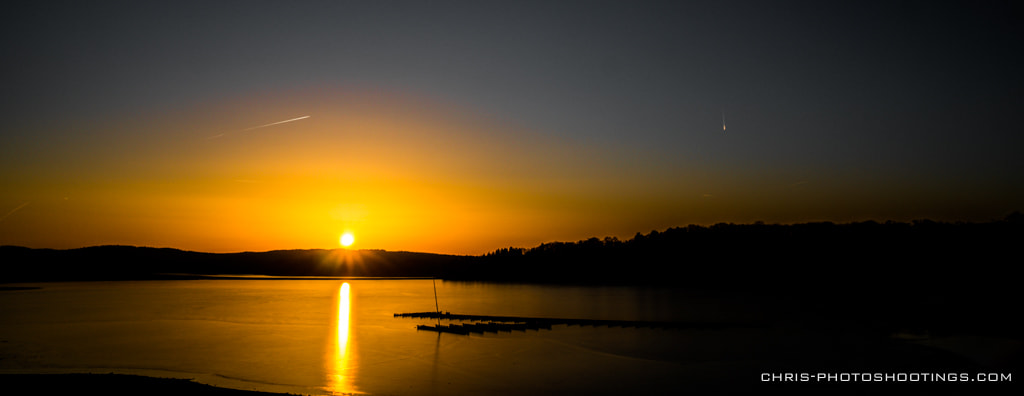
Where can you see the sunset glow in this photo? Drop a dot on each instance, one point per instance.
(431, 136)
(505, 198)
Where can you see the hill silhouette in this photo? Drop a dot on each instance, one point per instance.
(807, 255)
(819, 254)
(145, 263)
(921, 274)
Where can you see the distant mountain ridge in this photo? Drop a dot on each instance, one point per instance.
(114, 262)
(952, 278)
(725, 254)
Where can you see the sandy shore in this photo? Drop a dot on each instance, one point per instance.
(111, 384)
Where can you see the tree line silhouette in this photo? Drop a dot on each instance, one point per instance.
(957, 275)
(806, 255)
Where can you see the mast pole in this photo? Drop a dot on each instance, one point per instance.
(436, 308)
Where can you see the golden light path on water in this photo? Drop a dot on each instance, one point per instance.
(339, 361)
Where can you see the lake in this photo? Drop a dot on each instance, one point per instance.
(333, 336)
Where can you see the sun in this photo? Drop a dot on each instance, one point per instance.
(347, 239)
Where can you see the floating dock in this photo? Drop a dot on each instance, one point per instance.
(494, 324)
(482, 327)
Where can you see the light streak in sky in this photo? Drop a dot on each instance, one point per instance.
(275, 123)
(15, 210)
(723, 120)
(261, 126)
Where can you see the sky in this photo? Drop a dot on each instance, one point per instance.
(464, 127)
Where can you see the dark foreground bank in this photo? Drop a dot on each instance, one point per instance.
(121, 384)
(110, 385)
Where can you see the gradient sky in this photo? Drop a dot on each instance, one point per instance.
(463, 127)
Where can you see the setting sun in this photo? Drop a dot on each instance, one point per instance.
(347, 239)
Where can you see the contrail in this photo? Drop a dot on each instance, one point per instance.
(723, 120)
(275, 123)
(258, 127)
(15, 210)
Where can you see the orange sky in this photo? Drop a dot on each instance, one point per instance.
(400, 172)
(471, 126)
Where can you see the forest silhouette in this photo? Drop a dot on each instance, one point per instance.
(826, 255)
(943, 277)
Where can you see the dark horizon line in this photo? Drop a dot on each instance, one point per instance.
(1015, 216)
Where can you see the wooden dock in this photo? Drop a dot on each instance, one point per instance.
(494, 324)
(482, 327)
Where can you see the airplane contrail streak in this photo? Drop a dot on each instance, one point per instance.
(275, 123)
(15, 210)
(220, 135)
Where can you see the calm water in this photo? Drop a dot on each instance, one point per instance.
(340, 337)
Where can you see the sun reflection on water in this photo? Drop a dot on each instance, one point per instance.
(340, 359)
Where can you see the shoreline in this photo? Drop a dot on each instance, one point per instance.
(116, 384)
